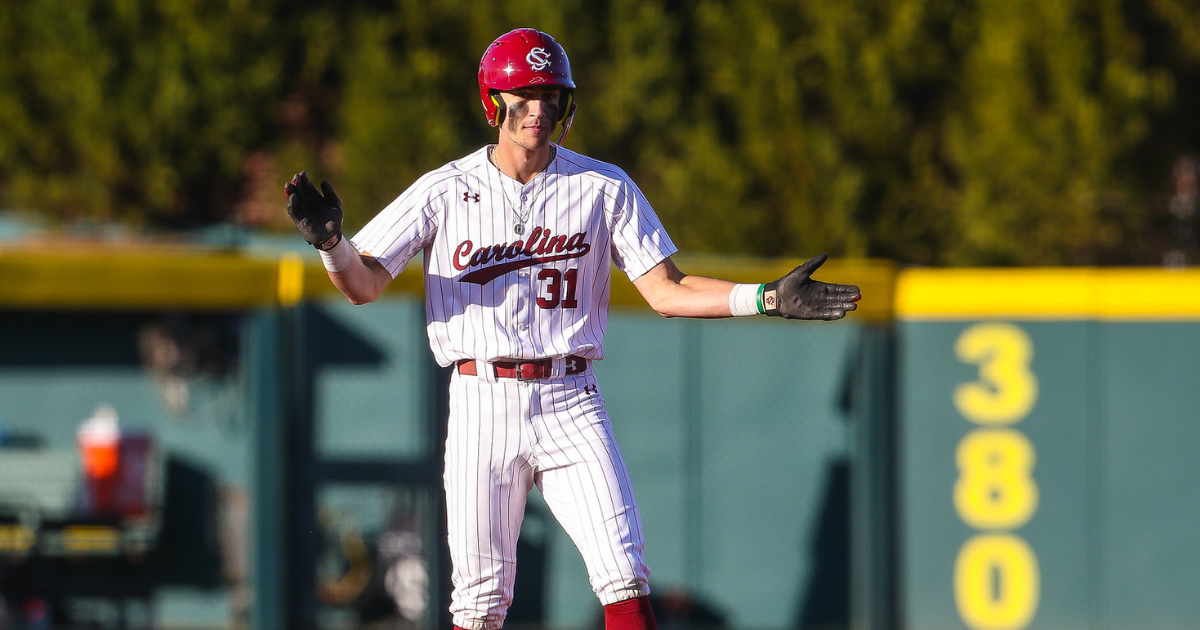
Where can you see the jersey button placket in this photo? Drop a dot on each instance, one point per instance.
(527, 290)
(523, 308)
(526, 300)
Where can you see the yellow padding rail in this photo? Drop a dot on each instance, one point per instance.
(152, 278)
(92, 277)
(1114, 294)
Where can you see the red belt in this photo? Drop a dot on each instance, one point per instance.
(525, 370)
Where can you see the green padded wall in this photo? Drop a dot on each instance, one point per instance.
(1112, 427)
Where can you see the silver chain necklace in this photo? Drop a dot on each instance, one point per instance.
(524, 208)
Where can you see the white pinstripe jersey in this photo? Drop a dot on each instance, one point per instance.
(518, 271)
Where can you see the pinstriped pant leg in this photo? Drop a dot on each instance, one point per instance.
(487, 478)
(586, 485)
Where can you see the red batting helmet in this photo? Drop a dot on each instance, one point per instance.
(523, 58)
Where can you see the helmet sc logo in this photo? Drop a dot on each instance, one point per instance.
(538, 59)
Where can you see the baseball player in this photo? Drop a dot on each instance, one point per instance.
(518, 240)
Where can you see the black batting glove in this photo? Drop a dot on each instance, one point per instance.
(798, 296)
(319, 218)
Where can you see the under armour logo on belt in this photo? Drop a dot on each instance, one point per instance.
(469, 196)
(591, 389)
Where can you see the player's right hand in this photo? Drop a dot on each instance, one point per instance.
(319, 218)
(798, 296)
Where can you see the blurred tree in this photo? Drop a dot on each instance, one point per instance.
(928, 131)
(133, 109)
(409, 97)
(1053, 94)
(1169, 32)
(406, 101)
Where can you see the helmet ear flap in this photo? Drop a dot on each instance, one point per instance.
(566, 124)
(566, 104)
(500, 109)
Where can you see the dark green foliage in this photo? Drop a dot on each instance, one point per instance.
(927, 131)
(132, 109)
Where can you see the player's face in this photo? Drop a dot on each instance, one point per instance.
(530, 115)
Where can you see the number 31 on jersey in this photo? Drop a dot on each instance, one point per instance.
(558, 288)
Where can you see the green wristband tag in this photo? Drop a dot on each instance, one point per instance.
(761, 310)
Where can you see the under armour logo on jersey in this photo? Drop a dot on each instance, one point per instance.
(591, 389)
(469, 196)
(538, 59)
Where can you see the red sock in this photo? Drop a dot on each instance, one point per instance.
(631, 614)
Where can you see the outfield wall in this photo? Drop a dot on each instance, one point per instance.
(1048, 431)
(983, 449)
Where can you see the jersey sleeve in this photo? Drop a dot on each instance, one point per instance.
(639, 239)
(403, 228)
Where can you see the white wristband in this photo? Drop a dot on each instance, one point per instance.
(743, 300)
(339, 257)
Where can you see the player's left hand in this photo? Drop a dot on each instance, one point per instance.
(319, 218)
(798, 296)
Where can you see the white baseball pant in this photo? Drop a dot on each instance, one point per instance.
(506, 436)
